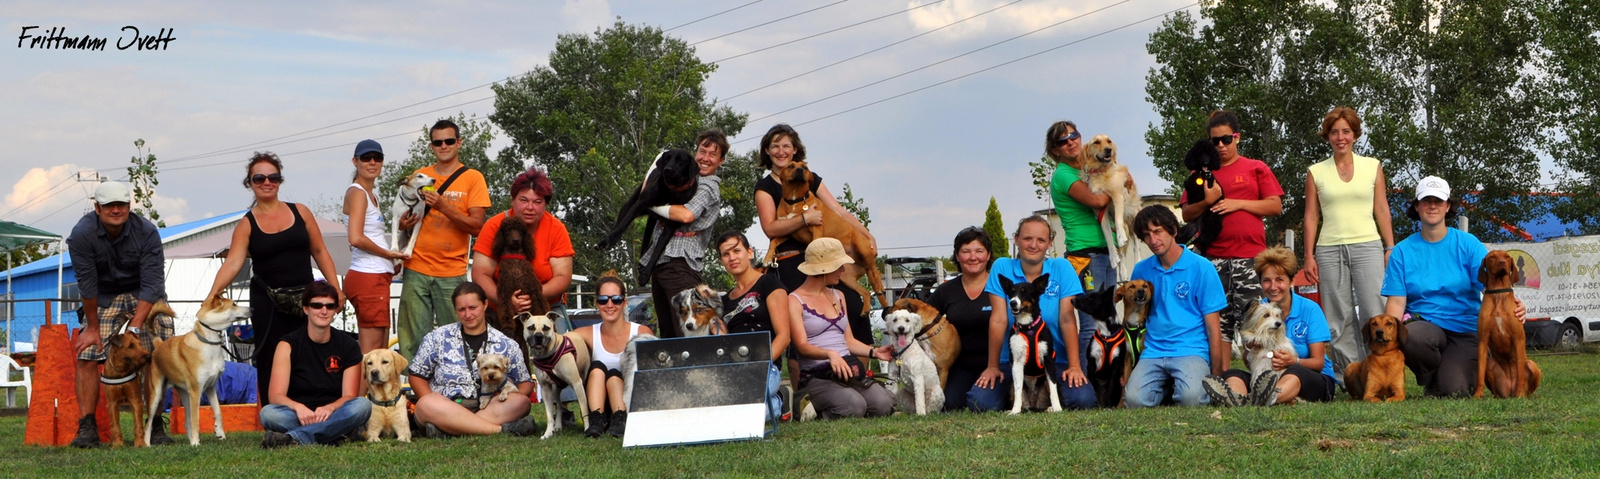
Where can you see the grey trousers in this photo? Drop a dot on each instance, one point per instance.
(834, 399)
(1350, 276)
(1445, 363)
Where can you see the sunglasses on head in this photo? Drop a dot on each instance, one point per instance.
(260, 178)
(327, 306)
(371, 157)
(613, 299)
(1224, 140)
(446, 141)
(1067, 138)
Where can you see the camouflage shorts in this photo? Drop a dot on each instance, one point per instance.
(1243, 288)
(119, 312)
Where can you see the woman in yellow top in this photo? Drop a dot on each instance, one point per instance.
(1348, 236)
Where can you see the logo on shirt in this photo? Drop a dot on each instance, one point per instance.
(1182, 290)
(333, 364)
(748, 303)
(1053, 290)
(1298, 331)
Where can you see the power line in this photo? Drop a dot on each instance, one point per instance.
(753, 27)
(875, 50)
(808, 37)
(708, 17)
(64, 207)
(340, 145)
(931, 65)
(46, 195)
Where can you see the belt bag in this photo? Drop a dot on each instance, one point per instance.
(286, 300)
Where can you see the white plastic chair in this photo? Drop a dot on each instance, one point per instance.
(26, 383)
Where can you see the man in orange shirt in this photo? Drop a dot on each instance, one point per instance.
(439, 261)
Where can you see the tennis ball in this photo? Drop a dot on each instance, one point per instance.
(427, 188)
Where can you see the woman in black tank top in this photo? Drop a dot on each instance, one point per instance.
(780, 146)
(280, 238)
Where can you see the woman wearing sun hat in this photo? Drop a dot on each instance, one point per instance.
(830, 375)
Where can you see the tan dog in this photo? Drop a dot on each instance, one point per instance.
(937, 335)
(492, 370)
(797, 182)
(1382, 376)
(1263, 336)
(193, 362)
(1104, 174)
(383, 369)
(123, 382)
(1503, 364)
(558, 360)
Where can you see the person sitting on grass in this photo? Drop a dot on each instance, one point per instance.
(1308, 372)
(606, 342)
(315, 388)
(831, 376)
(1183, 338)
(445, 376)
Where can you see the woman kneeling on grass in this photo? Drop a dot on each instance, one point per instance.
(830, 374)
(1308, 373)
(444, 375)
(315, 388)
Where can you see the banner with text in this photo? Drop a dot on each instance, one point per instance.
(1560, 277)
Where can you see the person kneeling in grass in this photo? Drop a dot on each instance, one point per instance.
(445, 376)
(1184, 336)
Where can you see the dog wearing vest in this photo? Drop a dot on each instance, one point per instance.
(513, 250)
(700, 310)
(557, 361)
(1137, 298)
(937, 336)
(408, 200)
(1108, 352)
(123, 382)
(919, 385)
(1503, 364)
(192, 363)
(381, 369)
(1033, 356)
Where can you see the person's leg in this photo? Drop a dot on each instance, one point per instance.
(988, 399)
(1338, 305)
(833, 400)
(444, 307)
(262, 326)
(494, 411)
(1083, 396)
(452, 418)
(1310, 385)
(667, 280)
(595, 420)
(1238, 380)
(1147, 384)
(1186, 373)
(1096, 276)
(1367, 263)
(416, 316)
(878, 401)
(369, 295)
(1423, 351)
(1243, 289)
(1291, 383)
(279, 418)
(619, 407)
(1458, 367)
(348, 417)
(956, 385)
(774, 400)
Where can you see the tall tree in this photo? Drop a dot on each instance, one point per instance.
(476, 134)
(1571, 93)
(142, 176)
(996, 228)
(598, 114)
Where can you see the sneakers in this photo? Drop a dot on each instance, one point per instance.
(597, 424)
(1221, 395)
(1265, 390)
(523, 427)
(619, 423)
(88, 433)
(158, 432)
(275, 439)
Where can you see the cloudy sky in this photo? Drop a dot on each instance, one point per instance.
(243, 76)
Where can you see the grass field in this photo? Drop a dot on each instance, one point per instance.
(1554, 434)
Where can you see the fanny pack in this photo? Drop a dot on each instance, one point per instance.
(286, 300)
(825, 371)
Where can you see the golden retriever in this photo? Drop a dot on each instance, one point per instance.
(382, 370)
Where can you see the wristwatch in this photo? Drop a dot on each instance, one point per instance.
(134, 330)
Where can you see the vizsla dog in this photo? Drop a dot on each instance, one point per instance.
(124, 378)
(797, 182)
(1503, 364)
(1382, 376)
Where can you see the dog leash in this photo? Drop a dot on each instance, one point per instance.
(220, 335)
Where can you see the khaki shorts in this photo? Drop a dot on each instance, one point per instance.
(119, 312)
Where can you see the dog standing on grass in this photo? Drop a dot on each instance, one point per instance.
(1032, 351)
(1503, 364)
(123, 381)
(556, 363)
(192, 363)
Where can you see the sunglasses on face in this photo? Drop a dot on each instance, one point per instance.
(1064, 139)
(613, 299)
(371, 157)
(327, 306)
(258, 178)
(1224, 140)
(444, 142)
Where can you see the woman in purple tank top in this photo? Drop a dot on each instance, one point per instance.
(832, 379)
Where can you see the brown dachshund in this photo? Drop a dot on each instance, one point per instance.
(1382, 376)
(1503, 364)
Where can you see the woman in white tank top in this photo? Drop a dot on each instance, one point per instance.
(371, 261)
(606, 342)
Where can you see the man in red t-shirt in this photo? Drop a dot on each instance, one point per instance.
(1245, 192)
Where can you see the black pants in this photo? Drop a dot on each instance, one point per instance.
(1446, 363)
(1314, 386)
(667, 280)
(268, 327)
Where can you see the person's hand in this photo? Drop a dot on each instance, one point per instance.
(408, 220)
(1074, 377)
(431, 198)
(882, 353)
(841, 369)
(1213, 193)
(86, 337)
(1281, 360)
(342, 299)
(305, 414)
(990, 378)
(1521, 311)
(391, 254)
(812, 217)
(322, 413)
(1311, 268)
(1386, 252)
(521, 302)
(1225, 206)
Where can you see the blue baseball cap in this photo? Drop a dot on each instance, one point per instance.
(368, 146)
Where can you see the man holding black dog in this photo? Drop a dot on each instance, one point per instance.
(683, 260)
(119, 264)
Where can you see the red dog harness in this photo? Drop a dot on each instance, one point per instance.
(1033, 332)
(1109, 346)
(548, 364)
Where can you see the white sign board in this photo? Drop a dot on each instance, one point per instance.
(1560, 277)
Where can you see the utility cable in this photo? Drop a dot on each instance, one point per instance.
(815, 35)
(759, 25)
(714, 15)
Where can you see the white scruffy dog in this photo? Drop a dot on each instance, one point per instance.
(913, 369)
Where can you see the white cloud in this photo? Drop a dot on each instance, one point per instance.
(173, 210)
(42, 190)
(586, 15)
(1011, 20)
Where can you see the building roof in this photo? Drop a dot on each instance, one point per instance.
(168, 235)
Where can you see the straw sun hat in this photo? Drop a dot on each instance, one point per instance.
(823, 256)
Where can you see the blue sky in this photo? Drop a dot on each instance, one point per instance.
(239, 73)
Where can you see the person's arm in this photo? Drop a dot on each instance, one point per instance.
(1221, 354)
(1079, 192)
(89, 335)
(482, 272)
(152, 275)
(1192, 209)
(1269, 206)
(807, 350)
(1395, 306)
(470, 221)
(1381, 213)
(828, 200)
(278, 385)
(420, 386)
(1068, 322)
(355, 207)
(560, 279)
(319, 251)
(1313, 220)
(238, 250)
(778, 316)
(767, 212)
(1318, 352)
(997, 333)
(350, 388)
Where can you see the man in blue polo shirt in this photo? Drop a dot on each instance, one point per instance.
(1183, 339)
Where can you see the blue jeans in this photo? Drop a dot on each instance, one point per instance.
(349, 417)
(1096, 276)
(981, 399)
(1154, 380)
(774, 402)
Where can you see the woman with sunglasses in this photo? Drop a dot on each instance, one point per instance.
(1245, 192)
(606, 342)
(780, 146)
(1079, 210)
(278, 237)
(315, 387)
(371, 263)
(1348, 235)
(968, 308)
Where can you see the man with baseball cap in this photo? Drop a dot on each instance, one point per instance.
(119, 265)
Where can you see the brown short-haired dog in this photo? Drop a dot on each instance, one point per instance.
(1382, 376)
(123, 378)
(1503, 364)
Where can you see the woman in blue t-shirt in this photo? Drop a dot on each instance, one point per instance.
(1433, 277)
(1308, 375)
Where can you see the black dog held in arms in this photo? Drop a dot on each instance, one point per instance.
(671, 180)
(1201, 160)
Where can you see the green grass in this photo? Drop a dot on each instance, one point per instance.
(1554, 434)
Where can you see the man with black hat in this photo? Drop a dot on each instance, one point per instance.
(119, 265)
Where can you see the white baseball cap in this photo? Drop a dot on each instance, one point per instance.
(1433, 186)
(112, 192)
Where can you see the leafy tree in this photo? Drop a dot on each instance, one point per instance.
(1042, 170)
(856, 206)
(1571, 58)
(29, 254)
(598, 114)
(142, 176)
(476, 134)
(996, 228)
